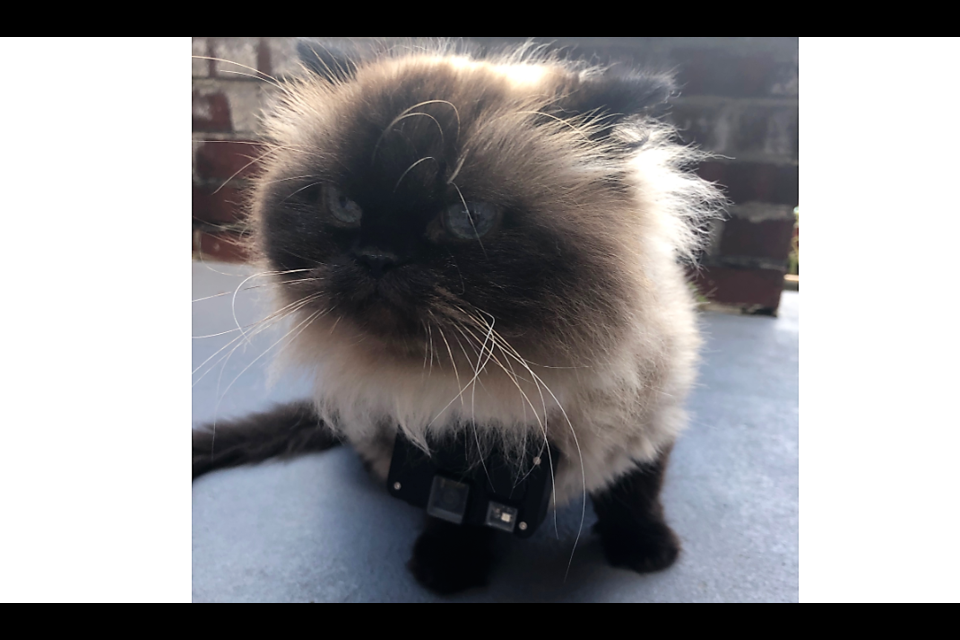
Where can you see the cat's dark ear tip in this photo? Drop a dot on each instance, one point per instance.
(333, 60)
(637, 92)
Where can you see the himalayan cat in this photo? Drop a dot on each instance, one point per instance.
(491, 244)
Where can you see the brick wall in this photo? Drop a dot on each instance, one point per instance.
(739, 99)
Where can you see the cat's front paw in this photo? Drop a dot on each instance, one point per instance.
(653, 547)
(449, 558)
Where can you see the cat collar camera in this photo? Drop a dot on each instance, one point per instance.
(488, 494)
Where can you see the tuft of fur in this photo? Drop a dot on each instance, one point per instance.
(596, 353)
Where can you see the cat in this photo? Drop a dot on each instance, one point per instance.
(482, 243)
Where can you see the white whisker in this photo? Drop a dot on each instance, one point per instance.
(233, 301)
(216, 295)
(262, 156)
(503, 345)
(404, 174)
(473, 410)
(308, 320)
(260, 325)
(259, 73)
(398, 119)
(470, 218)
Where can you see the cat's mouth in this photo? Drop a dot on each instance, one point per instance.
(387, 305)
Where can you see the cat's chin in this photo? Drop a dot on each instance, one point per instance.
(385, 329)
(384, 307)
(382, 320)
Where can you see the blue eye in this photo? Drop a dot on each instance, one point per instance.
(471, 222)
(343, 208)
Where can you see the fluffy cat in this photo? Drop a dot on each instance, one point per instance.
(481, 243)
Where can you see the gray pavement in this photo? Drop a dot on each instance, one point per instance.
(319, 529)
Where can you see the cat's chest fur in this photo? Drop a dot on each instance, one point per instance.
(604, 418)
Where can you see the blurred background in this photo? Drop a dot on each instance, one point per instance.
(739, 99)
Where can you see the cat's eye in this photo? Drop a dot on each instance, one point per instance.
(470, 222)
(343, 208)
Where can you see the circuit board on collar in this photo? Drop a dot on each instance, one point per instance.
(453, 484)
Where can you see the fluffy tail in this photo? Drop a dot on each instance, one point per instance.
(285, 431)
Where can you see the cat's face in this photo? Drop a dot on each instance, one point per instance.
(421, 198)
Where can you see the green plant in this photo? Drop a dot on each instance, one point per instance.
(700, 298)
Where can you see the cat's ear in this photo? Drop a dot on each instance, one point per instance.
(624, 94)
(617, 96)
(335, 61)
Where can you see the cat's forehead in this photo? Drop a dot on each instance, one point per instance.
(410, 126)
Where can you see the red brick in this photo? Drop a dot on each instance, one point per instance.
(224, 159)
(757, 289)
(223, 206)
(754, 181)
(211, 53)
(219, 246)
(264, 64)
(211, 112)
(764, 239)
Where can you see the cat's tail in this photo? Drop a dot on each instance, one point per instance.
(285, 431)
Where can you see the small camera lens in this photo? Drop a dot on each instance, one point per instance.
(450, 498)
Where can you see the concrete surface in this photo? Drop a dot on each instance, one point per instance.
(318, 529)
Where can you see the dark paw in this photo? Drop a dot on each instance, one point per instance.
(652, 548)
(451, 561)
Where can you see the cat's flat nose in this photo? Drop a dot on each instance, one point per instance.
(378, 261)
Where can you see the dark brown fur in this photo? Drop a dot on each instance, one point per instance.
(630, 523)
(448, 558)
(283, 432)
